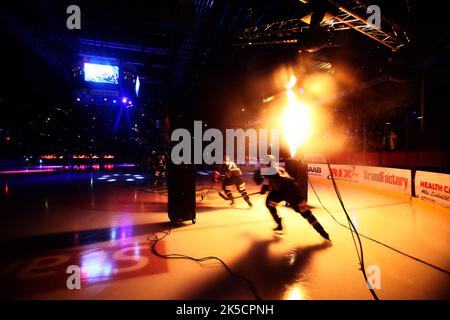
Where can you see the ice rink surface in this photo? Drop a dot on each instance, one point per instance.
(104, 223)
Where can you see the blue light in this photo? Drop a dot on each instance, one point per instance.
(138, 84)
(114, 101)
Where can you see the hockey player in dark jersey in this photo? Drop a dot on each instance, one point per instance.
(232, 177)
(282, 187)
(160, 170)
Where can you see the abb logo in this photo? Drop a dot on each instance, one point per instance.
(315, 169)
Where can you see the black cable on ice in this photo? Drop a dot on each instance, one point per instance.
(156, 239)
(361, 254)
(376, 241)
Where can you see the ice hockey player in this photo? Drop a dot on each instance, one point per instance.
(282, 187)
(160, 170)
(232, 177)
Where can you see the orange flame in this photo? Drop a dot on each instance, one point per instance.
(296, 119)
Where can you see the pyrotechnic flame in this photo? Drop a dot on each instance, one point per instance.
(291, 83)
(296, 119)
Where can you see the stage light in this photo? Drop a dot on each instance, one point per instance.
(78, 99)
(114, 101)
(124, 100)
(137, 86)
(105, 99)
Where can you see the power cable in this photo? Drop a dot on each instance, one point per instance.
(156, 239)
(377, 241)
(351, 225)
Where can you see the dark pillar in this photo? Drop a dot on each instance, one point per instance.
(298, 170)
(181, 183)
(181, 178)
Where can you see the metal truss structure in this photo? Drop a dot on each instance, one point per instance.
(344, 16)
(281, 32)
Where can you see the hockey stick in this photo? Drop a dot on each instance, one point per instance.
(203, 196)
(226, 198)
(252, 194)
